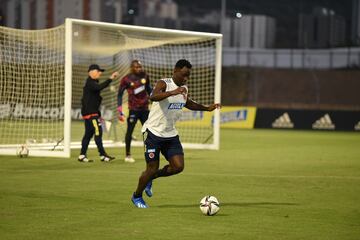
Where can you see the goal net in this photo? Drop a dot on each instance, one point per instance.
(42, 75)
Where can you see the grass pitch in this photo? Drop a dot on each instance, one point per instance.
(271, 185)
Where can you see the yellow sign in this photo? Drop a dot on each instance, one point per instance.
(230, 117)
(237, 117)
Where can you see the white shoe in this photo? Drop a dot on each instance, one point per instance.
(83, 158)
(106, 158)
(129, 159)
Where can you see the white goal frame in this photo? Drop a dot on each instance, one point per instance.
(68, 144)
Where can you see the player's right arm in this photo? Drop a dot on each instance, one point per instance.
(94, 86)
(122, 88)
(159, 93)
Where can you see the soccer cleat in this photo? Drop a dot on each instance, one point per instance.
(148, 189)
(106, 158)
(129, 159)
(138, 202)
(83, 158)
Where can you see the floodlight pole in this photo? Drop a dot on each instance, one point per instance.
(223, 15)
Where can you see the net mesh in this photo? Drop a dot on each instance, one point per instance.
(114, 48)
(32, 80)
(32, 86)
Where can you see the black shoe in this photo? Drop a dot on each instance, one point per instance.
(83, 158)
(106, 158)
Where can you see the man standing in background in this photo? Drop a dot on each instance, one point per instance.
(137, 84)
(90, 105)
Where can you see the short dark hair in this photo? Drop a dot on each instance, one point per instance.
(135, 61)
(183, 63)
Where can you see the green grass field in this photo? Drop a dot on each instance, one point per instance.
(271, 184)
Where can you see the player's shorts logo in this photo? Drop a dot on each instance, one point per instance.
(151, 155)
(176, 105)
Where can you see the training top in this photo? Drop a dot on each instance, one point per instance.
(91, 99)
(138, 89)
(164, 114)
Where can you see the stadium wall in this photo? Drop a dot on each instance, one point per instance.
(333, 58)
(291, 89)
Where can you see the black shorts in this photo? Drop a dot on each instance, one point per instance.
(167, 146)
(135, 115)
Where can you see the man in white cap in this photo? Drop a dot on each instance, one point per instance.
(90, 112)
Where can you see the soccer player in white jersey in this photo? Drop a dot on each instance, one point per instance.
(169, 96)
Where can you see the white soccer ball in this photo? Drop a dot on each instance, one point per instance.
(209, 205)
(22, 151)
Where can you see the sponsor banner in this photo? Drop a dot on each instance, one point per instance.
(357, 126)
(237, 117)
(308, 119)
(21, 111)
(230, 117)
(283, 121)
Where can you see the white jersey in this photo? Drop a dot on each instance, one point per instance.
(164, 114)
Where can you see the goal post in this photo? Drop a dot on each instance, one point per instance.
(60, 70)
(68, 87)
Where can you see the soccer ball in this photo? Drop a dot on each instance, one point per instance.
(209, 205)
(22, 151)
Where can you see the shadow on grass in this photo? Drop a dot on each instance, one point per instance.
(230, 204)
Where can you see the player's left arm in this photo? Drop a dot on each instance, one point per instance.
(94, 86)
(192, 105)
